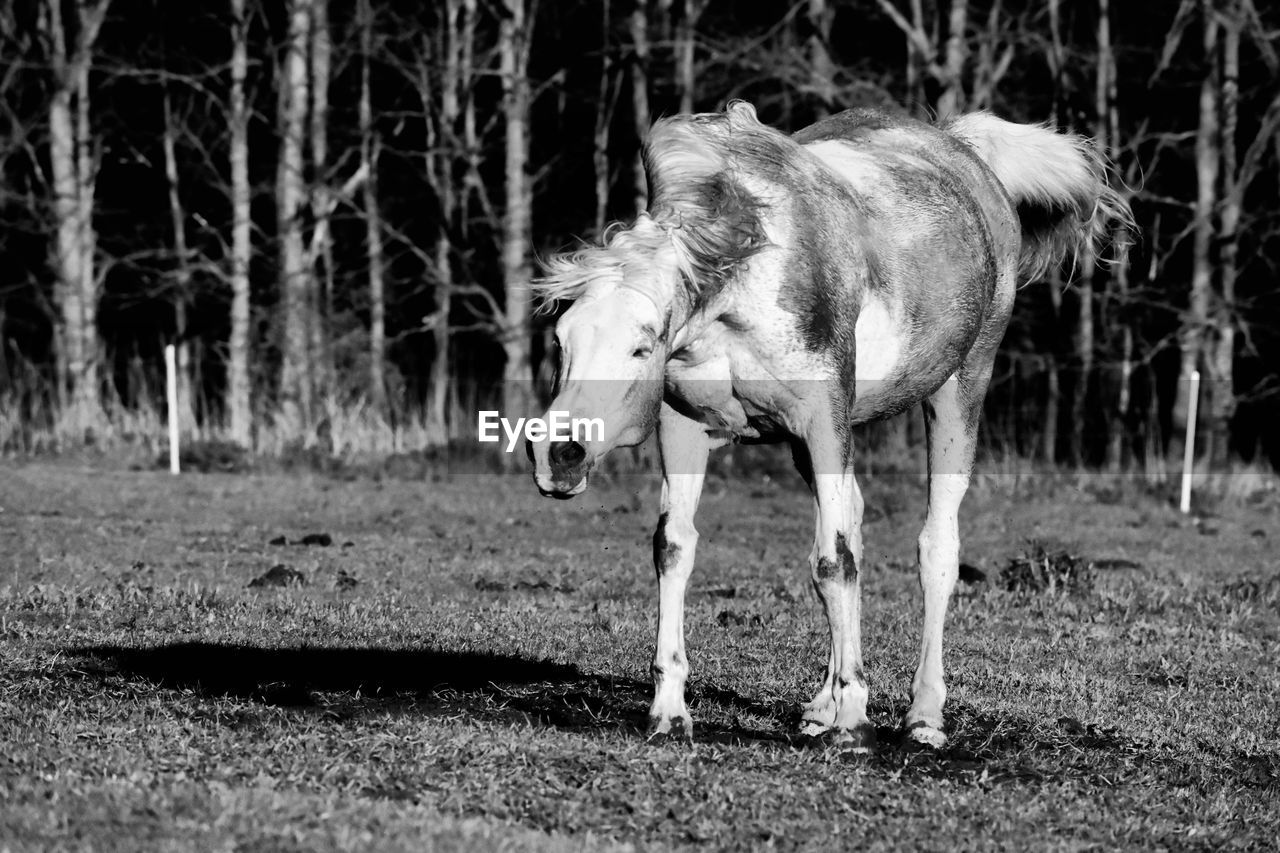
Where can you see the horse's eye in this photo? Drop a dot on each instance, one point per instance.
(643, 352)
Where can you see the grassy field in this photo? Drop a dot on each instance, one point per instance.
(464, 666)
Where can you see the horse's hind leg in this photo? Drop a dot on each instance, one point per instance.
(684, 446)
(951, 423)
(839, 709)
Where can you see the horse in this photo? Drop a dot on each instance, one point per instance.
(788, 288)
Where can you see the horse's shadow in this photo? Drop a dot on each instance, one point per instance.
(345, 684)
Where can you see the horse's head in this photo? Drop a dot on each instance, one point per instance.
(613, 343)
(634, 293)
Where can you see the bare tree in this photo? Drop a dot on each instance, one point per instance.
(992, 63)
(71, 159)
(320, 254)
(1086, 332)
(296, 274)
(822, 70)
(239, 403)
(946, 63)
(517, 220)
(369, 149)
(686, 45)
(1237, 18)
(182, 258)
(1208, 156)
(638, 24)
(952, 101)
(606, 102)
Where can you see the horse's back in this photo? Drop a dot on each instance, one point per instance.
(899, 165)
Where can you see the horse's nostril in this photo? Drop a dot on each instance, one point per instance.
(567, 454)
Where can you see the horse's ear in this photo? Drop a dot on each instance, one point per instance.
(741, 112)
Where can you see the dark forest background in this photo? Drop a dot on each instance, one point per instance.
(334, 209)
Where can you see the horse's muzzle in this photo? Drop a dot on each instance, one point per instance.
(568, 469)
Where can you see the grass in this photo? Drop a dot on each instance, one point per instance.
(464, 667)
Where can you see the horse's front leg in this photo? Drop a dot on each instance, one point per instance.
(684, 446)
(839, 710)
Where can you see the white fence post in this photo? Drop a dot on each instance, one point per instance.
(171, 391)
(1189, 450)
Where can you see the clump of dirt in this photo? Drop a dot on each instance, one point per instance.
(279, 575)
(311, 540)
(1048, 568)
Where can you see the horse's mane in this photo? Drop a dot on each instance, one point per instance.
(698, 207)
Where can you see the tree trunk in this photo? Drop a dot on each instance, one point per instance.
(639, 26)
(604, 118)
(68, 257)
(87, 394)
(685, 48)
(1056, 57)
(1053, 393)
(1220, 358)
(296, 283)
(952, 100)
(71, 162)
(915, 101)
(1084, 358)
(239, 392)
(372, 221)
(320, 262)
(517, 220)
(441, 164)
(822, 70)
(182, 283)
(1207, 155)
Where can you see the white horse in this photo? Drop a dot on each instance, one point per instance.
(787, 288)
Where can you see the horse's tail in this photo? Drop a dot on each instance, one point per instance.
(1059, 182)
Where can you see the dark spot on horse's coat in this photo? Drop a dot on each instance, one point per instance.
(815, 288)
(826, 569)
(848, 566)
(842, 567)
(859, 678)
(665, 552)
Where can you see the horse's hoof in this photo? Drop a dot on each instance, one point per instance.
(926, 735)
(670, 730)
(859, 740)
(812, 729)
